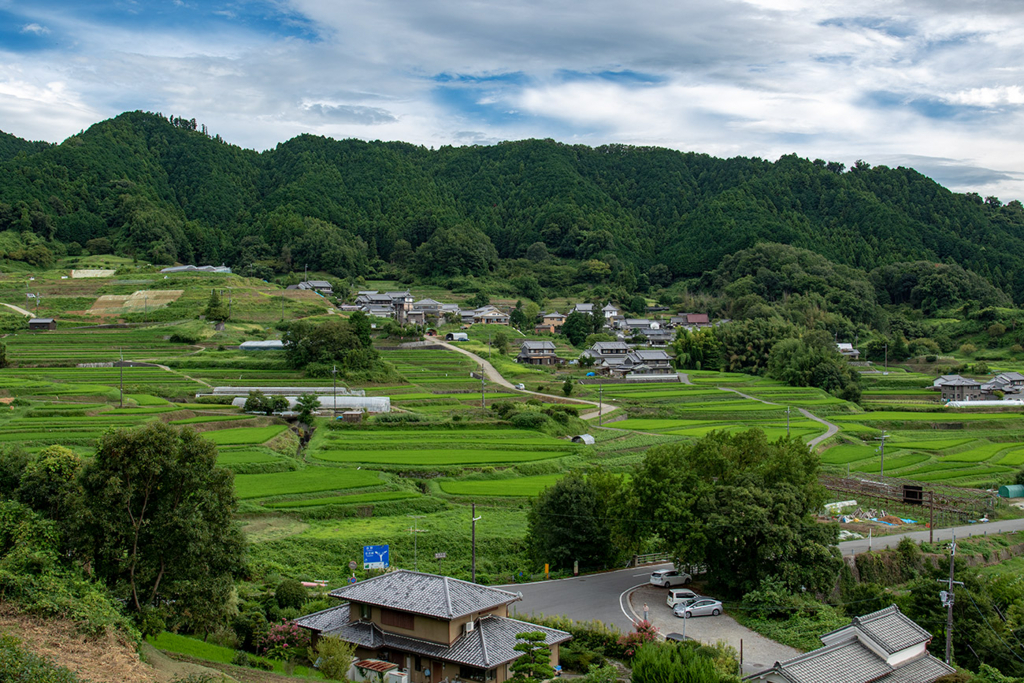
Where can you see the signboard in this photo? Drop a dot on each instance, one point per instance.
(375, 557)
(440, 556)
(352, 565)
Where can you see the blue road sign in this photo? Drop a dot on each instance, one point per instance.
(375, 557)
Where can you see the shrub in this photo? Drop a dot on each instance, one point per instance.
(930, 359)
(332, 656)
(578, 657)
(968, 349)
(241, 659)
(645, 632)
(18, 665)
(291, 593)
(285, 641)
(771, 600)
(529, 420)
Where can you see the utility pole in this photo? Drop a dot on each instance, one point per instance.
(600, 401)
(882, 438)
(886, 356)
(334, 374)
(482, 386)
(931, 516)
(947, 598)
(475, 519)
(787, 421)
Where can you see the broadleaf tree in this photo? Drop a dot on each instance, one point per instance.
(158, 518)
(742, 506)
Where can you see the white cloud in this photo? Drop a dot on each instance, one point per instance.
(35, 28)
(911, 79)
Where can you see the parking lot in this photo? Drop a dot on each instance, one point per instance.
(758, 652)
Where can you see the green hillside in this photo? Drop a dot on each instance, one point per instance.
(163, 191)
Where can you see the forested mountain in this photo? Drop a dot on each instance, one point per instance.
(166, 191)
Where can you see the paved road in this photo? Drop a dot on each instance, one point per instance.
(595, 596)
(494, 376)
(880, 542)
(759, 652)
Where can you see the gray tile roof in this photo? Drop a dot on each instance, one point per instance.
(921, 670)
(538, 346)
(490, 644)
(846, 662)
(891, 629)
(428, 594)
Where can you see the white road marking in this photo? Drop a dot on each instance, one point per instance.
(621, 604)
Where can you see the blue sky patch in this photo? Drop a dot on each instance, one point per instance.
(18, 34)
(623, 77)
(890, 27)
(925, 106)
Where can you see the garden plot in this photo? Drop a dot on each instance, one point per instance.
(140, 301)
(245, 436)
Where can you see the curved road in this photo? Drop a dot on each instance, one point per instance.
(830, 429)
(494, 376)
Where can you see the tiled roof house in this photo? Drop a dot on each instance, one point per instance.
(881, 647)
(434, 627)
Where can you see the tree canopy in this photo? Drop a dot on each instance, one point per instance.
(742, 506)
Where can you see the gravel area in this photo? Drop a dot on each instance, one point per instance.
(759, 653)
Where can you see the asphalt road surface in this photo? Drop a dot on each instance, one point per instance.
(965, 531)
(595, 596)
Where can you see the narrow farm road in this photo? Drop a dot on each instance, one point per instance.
(495, 376)
(182, 374)
(830, 429)
(891, 541)
(19, 310)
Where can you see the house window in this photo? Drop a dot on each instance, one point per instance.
(390, 617)
(419, 663)
(364, 611)
(474, 674)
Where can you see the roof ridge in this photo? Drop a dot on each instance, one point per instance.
(448, 598)
(483, 644)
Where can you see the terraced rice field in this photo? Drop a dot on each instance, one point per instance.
(513, 488)
(250, 435)
(310, 480)
(356, 499)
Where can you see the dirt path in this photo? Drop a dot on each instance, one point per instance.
(494, 376)
(830, 429)
(20, 310)
(182, 374)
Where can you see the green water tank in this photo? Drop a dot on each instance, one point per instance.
(1011, 491)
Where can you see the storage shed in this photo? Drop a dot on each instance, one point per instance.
(42, 324)
(1011, 491)
(584, 438)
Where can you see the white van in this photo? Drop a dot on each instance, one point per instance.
(679, 595)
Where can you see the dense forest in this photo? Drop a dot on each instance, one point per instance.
(164, 190)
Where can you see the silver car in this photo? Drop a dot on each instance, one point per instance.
(701, 607)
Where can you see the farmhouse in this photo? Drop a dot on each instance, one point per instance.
(846, 350)
(884, 646)
(537, 353)
(433, 628)
(42, 324)
(550, 322)
(961, 389)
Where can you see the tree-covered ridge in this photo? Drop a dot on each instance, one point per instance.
(164, 190)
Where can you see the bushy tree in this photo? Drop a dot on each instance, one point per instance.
(341, 342)
(576, 327)
(306, 406)
(569, 521)
(158, 518)
(813, 361)
(679, 663)
(290, 593)
(741, 506)
(334, 657)
(696, 349)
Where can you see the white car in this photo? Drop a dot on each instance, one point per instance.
(520, 387)
(678, 595)
(670, 577)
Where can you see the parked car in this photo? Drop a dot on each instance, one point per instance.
(698, 608)
(670, 577)
(520, 387)
(677, 637)
(678, 595)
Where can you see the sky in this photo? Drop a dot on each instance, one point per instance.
(932, 84)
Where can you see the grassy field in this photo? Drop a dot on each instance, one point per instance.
(522, 486)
